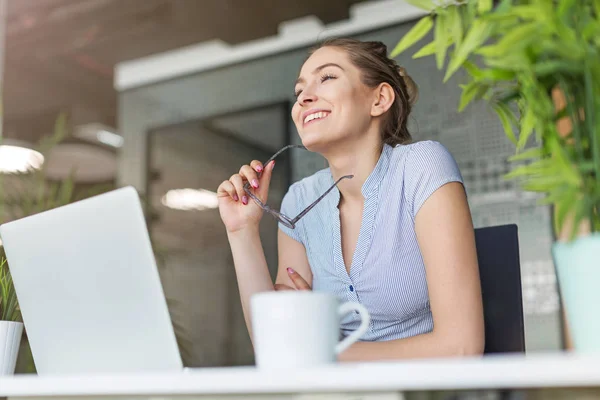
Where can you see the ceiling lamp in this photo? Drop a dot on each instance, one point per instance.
(91, 156)
(16, 156)
(190, 199)
(99, 133)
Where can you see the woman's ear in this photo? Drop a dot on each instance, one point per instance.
(383, 99)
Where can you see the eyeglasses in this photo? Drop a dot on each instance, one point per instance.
(284, 219)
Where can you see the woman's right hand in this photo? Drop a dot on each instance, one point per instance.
(237, 209)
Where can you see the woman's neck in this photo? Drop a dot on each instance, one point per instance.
(358, 160)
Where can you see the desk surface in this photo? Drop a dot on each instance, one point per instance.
(492, 372)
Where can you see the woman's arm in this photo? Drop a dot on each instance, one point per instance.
(446, 238)
(292, 254)
(251, 266)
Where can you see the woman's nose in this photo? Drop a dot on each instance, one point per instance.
(307, 98)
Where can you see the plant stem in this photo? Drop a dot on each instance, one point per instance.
(572, 111)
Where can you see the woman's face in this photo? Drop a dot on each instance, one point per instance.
(333, 105)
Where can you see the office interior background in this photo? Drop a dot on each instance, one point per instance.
(172, 96)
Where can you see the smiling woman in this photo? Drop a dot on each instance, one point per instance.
(397, 237)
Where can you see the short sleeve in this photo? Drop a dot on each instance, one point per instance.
(289, 207)
(429, 166)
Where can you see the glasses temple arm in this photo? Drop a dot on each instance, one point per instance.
(314, 203)
(274, 156)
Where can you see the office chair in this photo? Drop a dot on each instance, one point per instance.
(500, 272)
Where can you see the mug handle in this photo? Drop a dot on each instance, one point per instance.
(365, 317)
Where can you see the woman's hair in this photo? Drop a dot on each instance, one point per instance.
(371, 58)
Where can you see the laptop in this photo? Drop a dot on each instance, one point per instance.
(89, 289)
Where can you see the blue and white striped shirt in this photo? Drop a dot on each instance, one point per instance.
(387, 274)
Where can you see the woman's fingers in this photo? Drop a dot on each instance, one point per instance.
(298, 281)
(226, 188)
(265, 180)
(234, 187)
(257, 166)
(250, 175)
(238, 183)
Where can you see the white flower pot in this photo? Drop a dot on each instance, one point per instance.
(10, 340)
(578, 270)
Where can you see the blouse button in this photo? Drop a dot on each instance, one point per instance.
(351, 288)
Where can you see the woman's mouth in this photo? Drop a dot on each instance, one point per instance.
(314, 117)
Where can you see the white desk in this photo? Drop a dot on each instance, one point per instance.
(361, 381)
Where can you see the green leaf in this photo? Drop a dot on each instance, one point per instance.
(529, 154)
(455, 25)
(472, 9)
(504, 6)
(526, 12)
(586, 166)
(545, 7)
(506, 116)
(9, 307)
(591, 30)
(478, 34)
(512, 41)
(528, 121)
(540, 184)
(526, 170)
(473, 69)
(427, 50)
(545, 68)
(563, 205)
(514, 62)
(549, 50)
(581, 211)
(555, 195)
(440, 39)
(66, 190)
(565, 7)
(590, 116)
(498, 74)
(561, 162)
(418, 32)
(484, 6)
(423, 4)
(52, 194)
(470, 92)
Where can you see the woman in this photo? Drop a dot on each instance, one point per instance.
(397, 237)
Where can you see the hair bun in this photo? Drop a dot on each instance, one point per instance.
(411, 85)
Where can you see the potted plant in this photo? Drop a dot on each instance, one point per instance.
(11, 326)
(537, 64)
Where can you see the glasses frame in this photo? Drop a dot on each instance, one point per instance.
(284, 219)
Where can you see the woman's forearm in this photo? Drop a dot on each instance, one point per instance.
(428, 345)
(250, 266)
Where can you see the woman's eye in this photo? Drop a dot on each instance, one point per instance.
(324, 78)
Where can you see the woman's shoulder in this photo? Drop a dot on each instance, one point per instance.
(421, 149)
(423, 167)
(423, 157)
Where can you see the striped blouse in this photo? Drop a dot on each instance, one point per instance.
(387, 274)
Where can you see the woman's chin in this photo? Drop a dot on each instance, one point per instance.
(313, 142)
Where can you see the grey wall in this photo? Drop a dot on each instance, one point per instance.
(474, 137)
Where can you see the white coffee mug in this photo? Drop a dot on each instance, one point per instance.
(301, 328)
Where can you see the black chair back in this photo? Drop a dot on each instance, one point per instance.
(500, 271)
